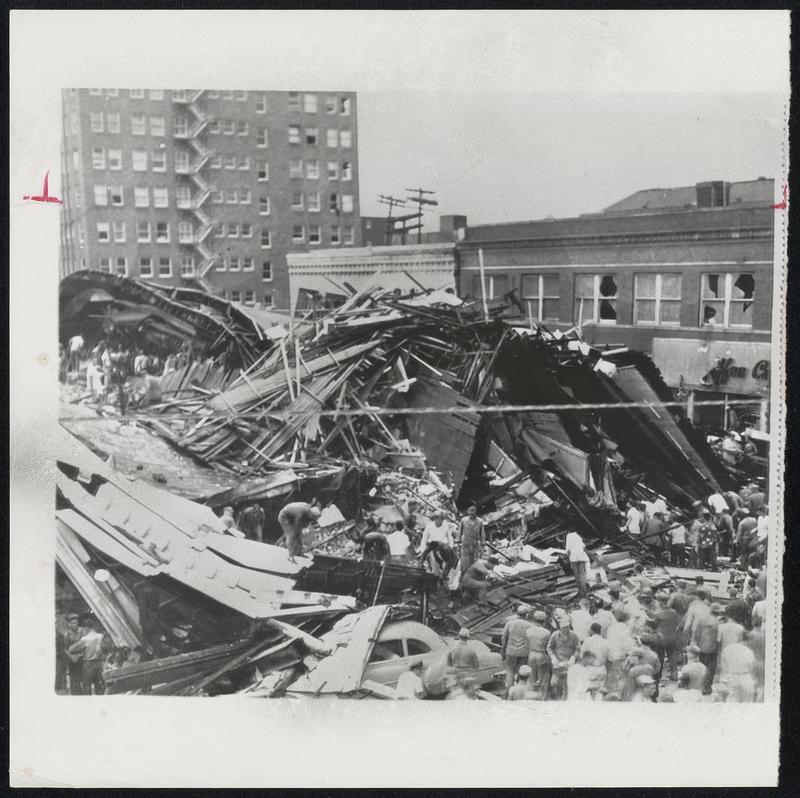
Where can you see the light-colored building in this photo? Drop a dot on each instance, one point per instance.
(189, 186)
(325, 278)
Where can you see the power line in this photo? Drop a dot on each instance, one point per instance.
(414, 411)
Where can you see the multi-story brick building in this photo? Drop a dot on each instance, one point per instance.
(212, 187)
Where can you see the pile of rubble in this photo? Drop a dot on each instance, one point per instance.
(385, 408)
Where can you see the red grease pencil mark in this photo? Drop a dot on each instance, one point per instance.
(44, 196)
(781, 206)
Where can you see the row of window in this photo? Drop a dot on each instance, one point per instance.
(726, 299)
(311, 135)
(311, 167)
(109, 122)
(334, 104)
(110, 158)
(163, 267)
(310, 103)
(248, 298)
(160, 233)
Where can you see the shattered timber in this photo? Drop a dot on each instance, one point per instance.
(388, 410)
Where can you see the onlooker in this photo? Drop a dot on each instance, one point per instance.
(705, 638)
(461, 658)
(562, 648)
(409, 684)
(620, 644)
(91, 647)
(72, 634)
(514, 646)
(538, 636)
(737, 666)
(694, 670)
(677, 544)
(522, 690)
(645, 688)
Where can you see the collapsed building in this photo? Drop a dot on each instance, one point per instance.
(384, 403)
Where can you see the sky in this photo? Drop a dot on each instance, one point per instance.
(513, 155)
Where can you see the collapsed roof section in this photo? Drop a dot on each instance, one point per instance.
(91, 302)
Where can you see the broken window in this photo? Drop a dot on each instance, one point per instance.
(727, 299)
(596, 298)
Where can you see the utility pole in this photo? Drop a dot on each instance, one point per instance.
(420, 201)
(392, 202)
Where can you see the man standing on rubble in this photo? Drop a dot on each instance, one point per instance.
(677, 533)
(251, 522)
(293, 518)
(75, 346)
(437, 539)
(514, 646)
(472, 538)
(706, 542)
(71, 635)
(91, 647)
(578, 559)
(634, 519)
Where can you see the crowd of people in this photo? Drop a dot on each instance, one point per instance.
(85, 654)
(731, 524)
(120, 371)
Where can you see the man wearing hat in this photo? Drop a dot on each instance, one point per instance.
(461, 657)
(745, 532)
(645, 689)
(693, 670)
(562, 648)
(514, 646)
(634, 668)
(538, 636)
(409, 685)
(705, 638)
(522, 690)
(730, 630)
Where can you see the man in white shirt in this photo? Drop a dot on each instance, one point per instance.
(409, 685)
(75, 348)
(634, 518)
(717, 503)
(578, 559)
(399, 544)
(437, 539)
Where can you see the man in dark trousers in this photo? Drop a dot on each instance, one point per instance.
(91, 646)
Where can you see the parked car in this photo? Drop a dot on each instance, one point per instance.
(402, 643)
